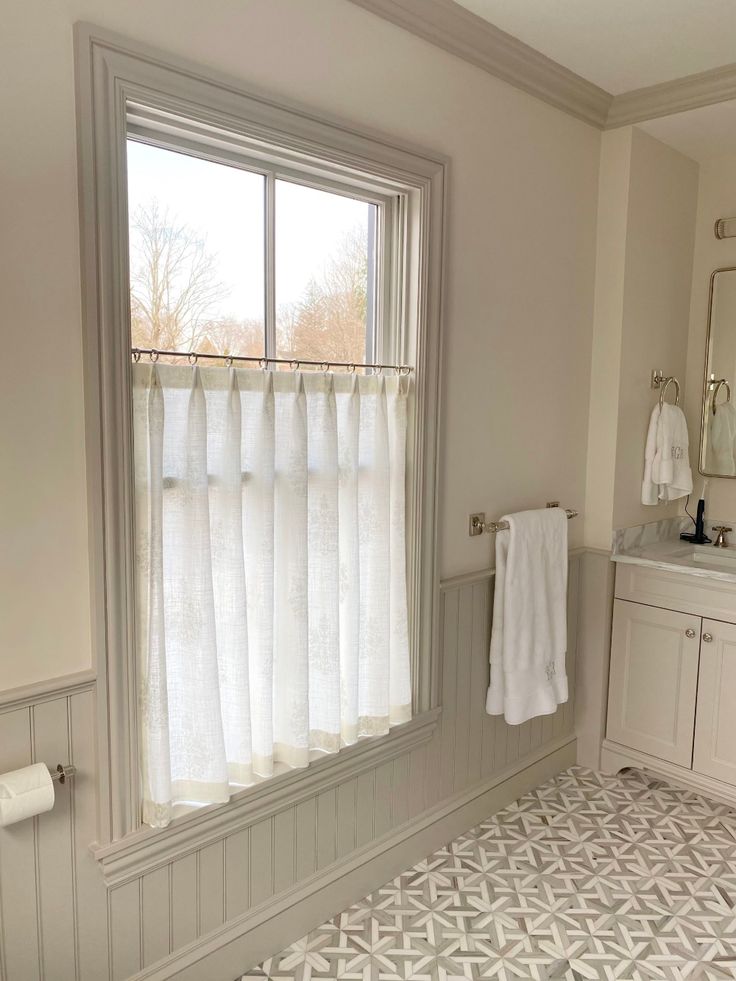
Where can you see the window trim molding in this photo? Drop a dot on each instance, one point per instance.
(150, 848)
(110, 70)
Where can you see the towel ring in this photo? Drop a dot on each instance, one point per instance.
(663, 391)
(717, 385)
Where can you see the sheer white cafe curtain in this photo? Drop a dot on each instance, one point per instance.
(270, 565)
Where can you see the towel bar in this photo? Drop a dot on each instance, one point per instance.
(479, 525)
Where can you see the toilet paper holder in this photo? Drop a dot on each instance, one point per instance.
(62, 773)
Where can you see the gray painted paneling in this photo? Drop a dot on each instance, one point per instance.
(237, 856)
(156, 915)
(57, 920)
(306, 838)
(184, 901)
(126, 927)
(211, 887)
(284, 849)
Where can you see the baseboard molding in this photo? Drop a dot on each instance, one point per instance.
(227, 952)
(615, 757)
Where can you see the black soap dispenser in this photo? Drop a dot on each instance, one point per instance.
(699, 538)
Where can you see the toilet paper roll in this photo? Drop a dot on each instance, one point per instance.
(25, 793)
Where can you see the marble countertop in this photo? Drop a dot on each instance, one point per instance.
(675, 555)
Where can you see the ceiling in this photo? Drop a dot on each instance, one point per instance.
(702, 133)
(621, 44)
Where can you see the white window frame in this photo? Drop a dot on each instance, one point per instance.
(114, 73)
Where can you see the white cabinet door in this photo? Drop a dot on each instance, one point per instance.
(715, 724)
(653, 681)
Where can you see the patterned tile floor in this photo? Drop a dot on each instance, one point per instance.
(586, 877)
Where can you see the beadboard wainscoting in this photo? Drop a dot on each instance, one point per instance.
(213, 909)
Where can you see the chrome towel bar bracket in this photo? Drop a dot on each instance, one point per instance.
(63, 773)
(479, 525)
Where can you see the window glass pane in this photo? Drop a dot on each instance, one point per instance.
(196, 253)
(325, 275)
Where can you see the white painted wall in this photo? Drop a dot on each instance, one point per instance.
(716, 199)
(647, 206)
(520, 268)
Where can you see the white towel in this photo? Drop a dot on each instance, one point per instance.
(671, 464)
(650, 490)
(529, 635)
(667, 474)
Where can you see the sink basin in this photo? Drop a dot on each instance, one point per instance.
(708, 555)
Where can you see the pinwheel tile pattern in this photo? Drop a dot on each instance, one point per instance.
(586, 877)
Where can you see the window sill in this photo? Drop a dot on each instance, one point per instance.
(149, 848)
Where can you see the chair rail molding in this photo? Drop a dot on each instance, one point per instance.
(468, 36)
(44, 691)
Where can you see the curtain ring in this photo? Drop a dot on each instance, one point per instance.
(228, 361)
(153, 355)
(262, 364)
(325, 366)
(192, 357)
(351, 368)
(136, 355)
(294, 365)
(404, 369)
(378, 369)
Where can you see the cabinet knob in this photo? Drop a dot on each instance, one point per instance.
(707, 638)
(690, 632)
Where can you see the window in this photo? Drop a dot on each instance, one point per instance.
(227, 259)
(227, 226)
(271, 606)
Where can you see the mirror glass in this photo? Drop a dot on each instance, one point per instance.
(718, 432)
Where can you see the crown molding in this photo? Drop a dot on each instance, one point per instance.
(455, 29)
(462, 33)
(679, 95)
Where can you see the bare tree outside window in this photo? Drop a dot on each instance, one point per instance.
(328, 322)
(178, 300)
(176, 293)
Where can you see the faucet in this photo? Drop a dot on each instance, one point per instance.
(720, 541)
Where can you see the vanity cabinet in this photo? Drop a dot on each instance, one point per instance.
(654, 680)
(715, 719)
(672, 681)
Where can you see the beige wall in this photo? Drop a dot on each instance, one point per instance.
(613, 203)
(520, 267)
(716, 199)
(663, 193)
(647, 205)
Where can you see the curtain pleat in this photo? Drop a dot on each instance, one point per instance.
(259, 433)
(271, 572)
(348, 422)
(291, 629)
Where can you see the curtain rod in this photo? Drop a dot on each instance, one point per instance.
(294, 363)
